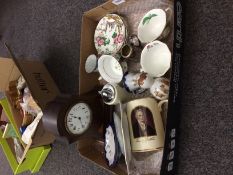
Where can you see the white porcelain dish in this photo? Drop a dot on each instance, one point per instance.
(155, 59)
(151, 25)
(110, 69)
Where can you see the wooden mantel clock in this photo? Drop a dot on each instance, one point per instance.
(72, 117)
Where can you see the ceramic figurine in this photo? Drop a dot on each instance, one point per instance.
(133, 82)
(134, 41)
(130, 82)
(155, 59)
(110, 35)
(160, 88)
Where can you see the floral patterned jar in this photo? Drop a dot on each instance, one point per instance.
(110, 35)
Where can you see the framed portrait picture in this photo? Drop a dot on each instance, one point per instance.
(142, 122)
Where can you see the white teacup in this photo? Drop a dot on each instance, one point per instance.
(160, 88)
(155, 59)
(110, 69)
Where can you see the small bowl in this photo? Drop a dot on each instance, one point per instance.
(155, 59)
(110, 69)
(151, 25)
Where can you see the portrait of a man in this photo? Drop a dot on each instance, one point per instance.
(142, 122)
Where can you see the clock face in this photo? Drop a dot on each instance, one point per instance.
(78, 118)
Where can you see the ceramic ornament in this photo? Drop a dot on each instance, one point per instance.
(144, 80)
(110, 35)
(151, 25)
(160, 88)
(155, 59)
(130, 82)
(134, 41)
(133, 82)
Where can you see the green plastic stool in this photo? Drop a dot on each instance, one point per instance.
(35, 157)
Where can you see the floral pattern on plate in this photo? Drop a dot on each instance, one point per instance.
(110, 35)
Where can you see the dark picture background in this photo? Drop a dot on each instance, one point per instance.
(148, 120)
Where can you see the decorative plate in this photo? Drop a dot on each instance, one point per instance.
(155, 59)
(110, 35)
(111, 146)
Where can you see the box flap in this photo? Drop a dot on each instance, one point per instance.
(93, 151)
(8, 72)
(100, 11)
(39, 81)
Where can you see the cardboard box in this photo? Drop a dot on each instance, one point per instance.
(41, 85)
(92, 149)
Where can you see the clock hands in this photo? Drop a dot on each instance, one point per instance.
(81, 122)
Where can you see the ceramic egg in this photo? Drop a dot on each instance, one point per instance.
(160, 88)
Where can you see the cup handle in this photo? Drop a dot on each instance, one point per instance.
(161, 103)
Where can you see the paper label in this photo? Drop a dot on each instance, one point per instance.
(118, 2)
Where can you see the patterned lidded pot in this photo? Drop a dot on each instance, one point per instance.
(135, 81)
(144, 80)
(130, 82)
(110, 35)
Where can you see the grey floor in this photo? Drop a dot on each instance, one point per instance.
(49, 30)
